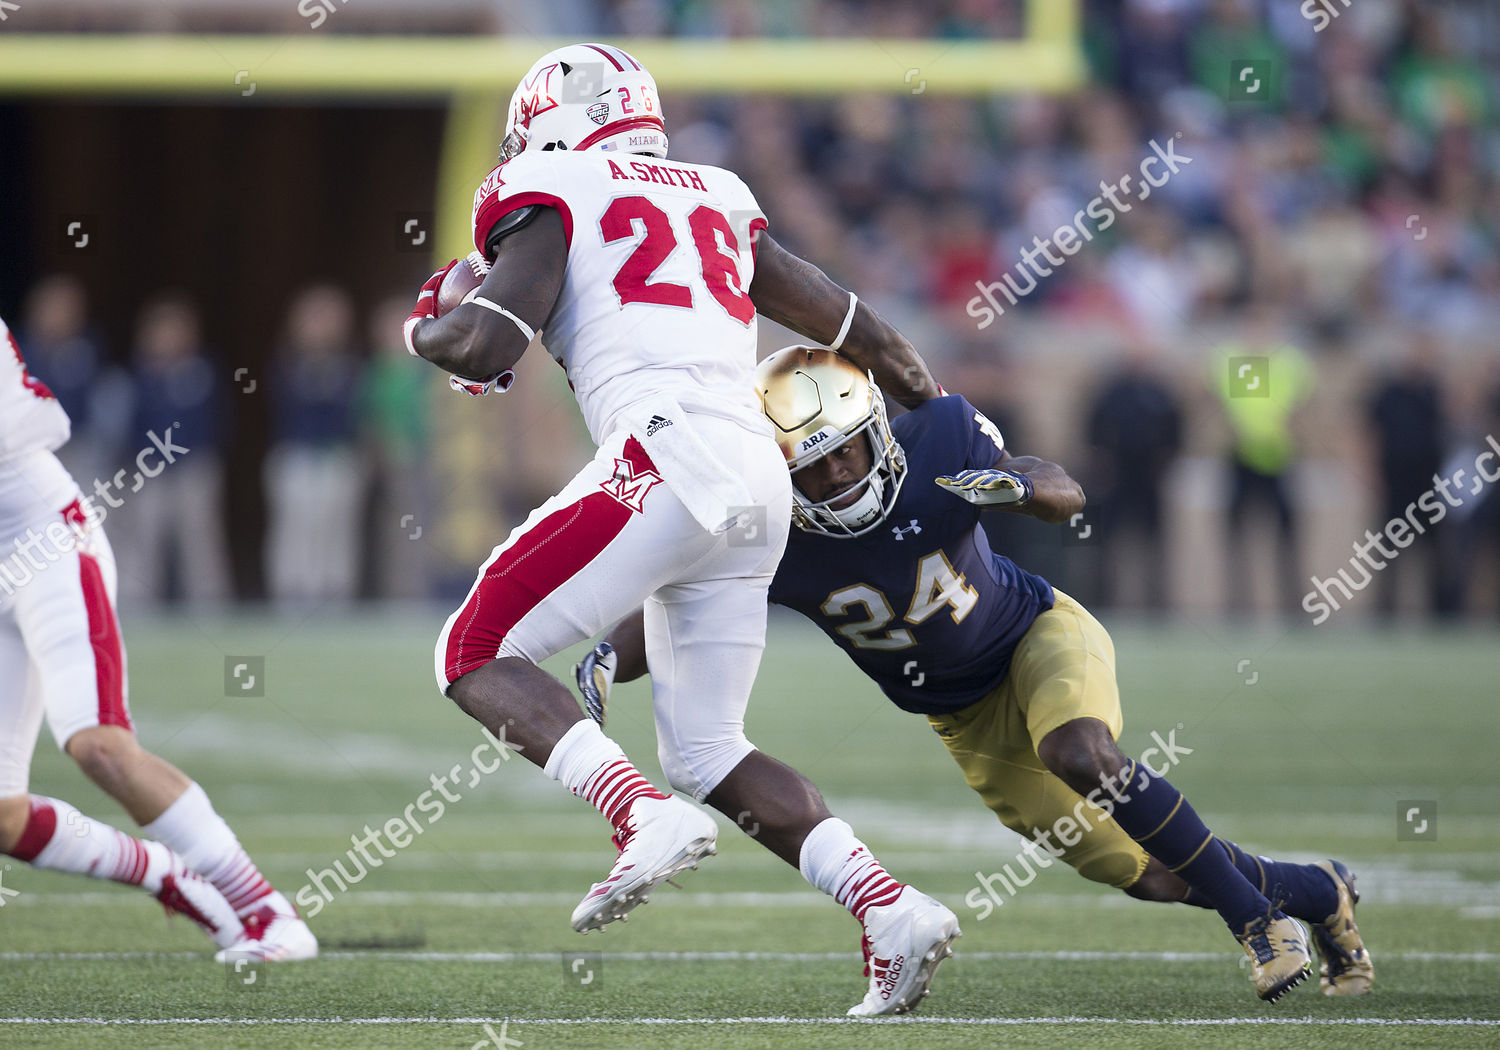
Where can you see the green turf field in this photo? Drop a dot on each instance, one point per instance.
(461, 939)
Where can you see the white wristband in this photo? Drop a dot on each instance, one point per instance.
(838, 340)
(406, 333)
(526, 329)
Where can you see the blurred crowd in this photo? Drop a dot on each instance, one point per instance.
(347, 437)
(1332, 228)
(1337, 213)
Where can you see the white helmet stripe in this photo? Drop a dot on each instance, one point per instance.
(605, 52)
(625, 55)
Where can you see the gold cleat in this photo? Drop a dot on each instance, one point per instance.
(1279, 956)
(1345, 967)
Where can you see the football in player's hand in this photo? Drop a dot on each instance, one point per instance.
(467, 275)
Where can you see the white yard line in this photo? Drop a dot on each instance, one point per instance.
(734, 956)
(1377, 1022)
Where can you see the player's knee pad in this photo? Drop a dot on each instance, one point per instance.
(1115, 865)
(697, 769)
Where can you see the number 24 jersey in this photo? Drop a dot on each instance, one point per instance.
(921, 604)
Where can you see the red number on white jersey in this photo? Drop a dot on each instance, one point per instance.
(721, 270)
(30, 382)
(632, 282)
(713, 237)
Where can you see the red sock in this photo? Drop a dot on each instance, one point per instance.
(864, 884)
(59, 838)
(613, 787)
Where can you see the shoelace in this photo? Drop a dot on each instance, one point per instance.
(622, 837)
(1258, 937)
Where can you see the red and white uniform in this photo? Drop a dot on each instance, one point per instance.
(60, 649)
(655, 327)
(655, 298)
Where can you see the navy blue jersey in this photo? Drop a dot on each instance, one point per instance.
(921, 603)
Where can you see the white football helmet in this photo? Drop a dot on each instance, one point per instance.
(585, 96)
(819, 401)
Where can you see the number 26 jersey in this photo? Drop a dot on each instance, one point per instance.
(655, 299)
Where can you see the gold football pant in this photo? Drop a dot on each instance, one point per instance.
(1063, 668)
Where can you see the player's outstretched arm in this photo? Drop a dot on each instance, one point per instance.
(794, 292)
(1055, 496)
(1021, 484)
(478, 340)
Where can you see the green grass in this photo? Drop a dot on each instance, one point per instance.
(1308, 761)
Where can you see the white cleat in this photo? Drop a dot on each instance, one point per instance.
(905, 941)
(661, 837)
(186, 893)
(273, 933)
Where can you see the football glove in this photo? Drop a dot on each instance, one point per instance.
(989, 487)
(498, 383)
(596, 676)
(426, 307)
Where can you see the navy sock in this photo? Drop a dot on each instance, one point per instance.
(1305, 890)
(1154, 813)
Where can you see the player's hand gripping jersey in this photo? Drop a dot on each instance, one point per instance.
(961, 611)
(33, 484)
(654, 300)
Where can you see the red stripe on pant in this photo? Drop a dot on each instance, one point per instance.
(538, 563)
(104, 637)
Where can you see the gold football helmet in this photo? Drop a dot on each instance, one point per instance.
(819, 401)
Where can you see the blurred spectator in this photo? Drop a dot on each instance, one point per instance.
(1359, 188)
(172, 530)
(1475, 526)
(63, 350)
(1407, 415)
(314, 474)
(1135, 428)
(392, 409)
(1262, 380)
(1154, 276)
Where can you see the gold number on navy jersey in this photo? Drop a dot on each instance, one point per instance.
(879, 611)
(990, 431)
(937, 586)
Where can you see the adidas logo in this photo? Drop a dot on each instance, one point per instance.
(887, 973)
(657, 423)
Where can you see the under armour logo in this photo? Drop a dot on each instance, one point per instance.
(900, 533)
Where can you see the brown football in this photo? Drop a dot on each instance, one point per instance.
(461, 280)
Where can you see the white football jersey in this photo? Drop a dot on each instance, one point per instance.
(655, 299)
(33, 484)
